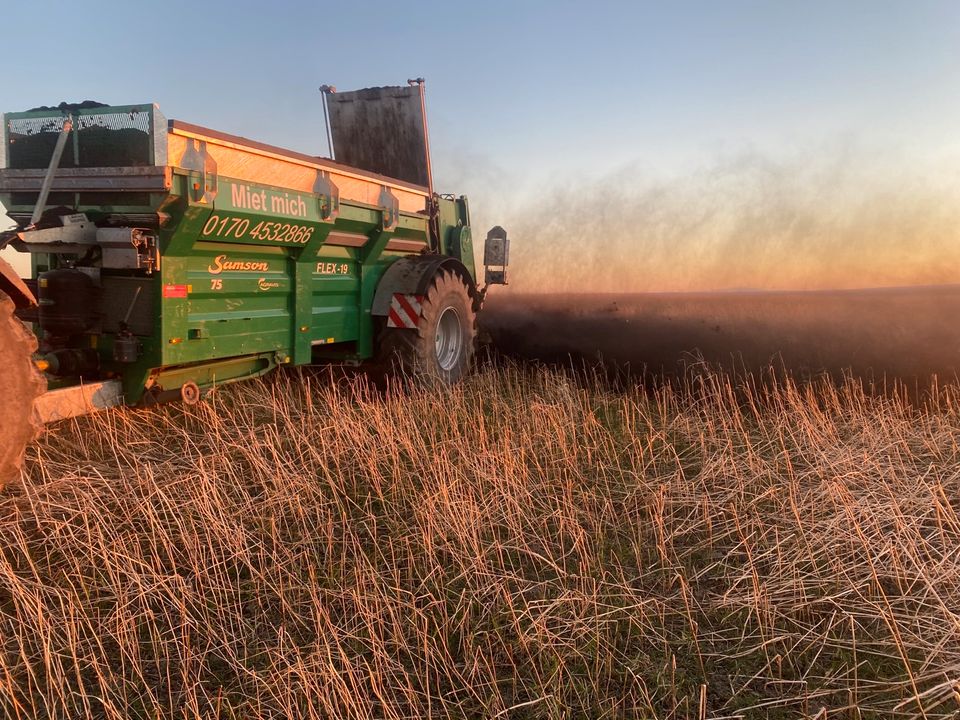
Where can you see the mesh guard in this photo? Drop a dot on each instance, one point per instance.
(102, 137)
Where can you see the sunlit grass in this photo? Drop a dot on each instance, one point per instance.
(526, 545)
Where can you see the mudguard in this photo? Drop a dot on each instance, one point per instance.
(412, 276)
(14, 287)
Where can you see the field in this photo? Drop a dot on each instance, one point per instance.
(533, 544)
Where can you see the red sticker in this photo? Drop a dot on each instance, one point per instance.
(175, 291)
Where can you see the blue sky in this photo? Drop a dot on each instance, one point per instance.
(524, 97)
(541, 84)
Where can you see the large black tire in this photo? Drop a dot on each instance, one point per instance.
(441, 348)
(21, 383)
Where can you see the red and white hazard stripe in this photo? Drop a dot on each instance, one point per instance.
(404, 311)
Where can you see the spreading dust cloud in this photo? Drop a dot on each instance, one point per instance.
(841, 264)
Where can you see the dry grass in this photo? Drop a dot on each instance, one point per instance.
(526, 546)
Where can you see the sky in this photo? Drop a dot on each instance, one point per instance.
(543, 111)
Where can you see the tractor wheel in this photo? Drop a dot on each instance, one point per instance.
(441, 347)
(20, 384)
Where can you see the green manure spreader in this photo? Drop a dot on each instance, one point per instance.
(168, 258)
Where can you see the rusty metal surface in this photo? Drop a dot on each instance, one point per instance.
(381, 129)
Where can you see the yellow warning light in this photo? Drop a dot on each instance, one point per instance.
(42, 365)
(304, 328)
(176, 341)
(329, 340)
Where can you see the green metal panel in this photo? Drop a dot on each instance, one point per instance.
(237, 280)
(456, 239)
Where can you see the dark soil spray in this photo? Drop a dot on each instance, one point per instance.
(835, 262)
(905, 334)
